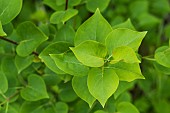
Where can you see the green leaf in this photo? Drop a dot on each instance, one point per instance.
(2, 33)
(127, 71)
(80, 87)
(23, 62)
(68, 63)
(54, 48)
(100, 111)
(102, 83)
(35, 90)
(62, 16)
(66, 92)
(123, 86)
(127, 24)
(90, 53)
(124, 37)
(4, 83)
(74, 2)
(126, 107)
(66, 33)
(92, 5)
(61, 107)
(33, 107)
(31, 37)
(125, 54)
(9, 9)
(162, 56)
(95, 28)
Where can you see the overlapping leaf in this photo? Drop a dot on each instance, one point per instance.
(90, 53)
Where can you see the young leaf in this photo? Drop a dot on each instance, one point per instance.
(162, 56)
(2, 33)
(80, 87)
(92, 5)
(62, 16)
(61, 107)
(74, 2)
(4, 83)
(23, 62)
(31, 38)
(124, 37)
(126, 107)
(95, 28)
(102, 83)
(90, 53)
(35, 90)
(68, 63)
(54, 48)
(9, 9)
(127, 71)
(125, 54)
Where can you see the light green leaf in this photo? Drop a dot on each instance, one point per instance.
(23, 62)
(35, 90)
(31, 37)
(100, 111)
(127, 71)
(9, 9)
(62, 16)
(61, 107)
(102, 83)
(124, 37)
(162, 56)
(125, 54)
(126, 107)
(80, 87)
(74, 2)
(2, 33)
(4, 83)
(95, 28)
(54, 48)
(127, 24)
(68, 63)
(90, 53)
(92, 5)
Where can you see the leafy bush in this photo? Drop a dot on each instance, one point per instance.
(84, 56)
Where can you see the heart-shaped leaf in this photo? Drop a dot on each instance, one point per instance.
(126, 107)
(90, 53)
(95, 28)
(31, 37)
(124, 37)
(102, 83)
(35, 90)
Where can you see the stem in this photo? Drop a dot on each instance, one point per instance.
(66, 6)
(15, 43)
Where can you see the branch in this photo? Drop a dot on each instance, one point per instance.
(15, 43)
(66, 6)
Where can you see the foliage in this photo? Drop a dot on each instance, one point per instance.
(84, 56)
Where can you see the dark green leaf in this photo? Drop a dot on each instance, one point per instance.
(35, 90)
(80, 87)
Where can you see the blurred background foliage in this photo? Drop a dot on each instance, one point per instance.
(151, 95)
